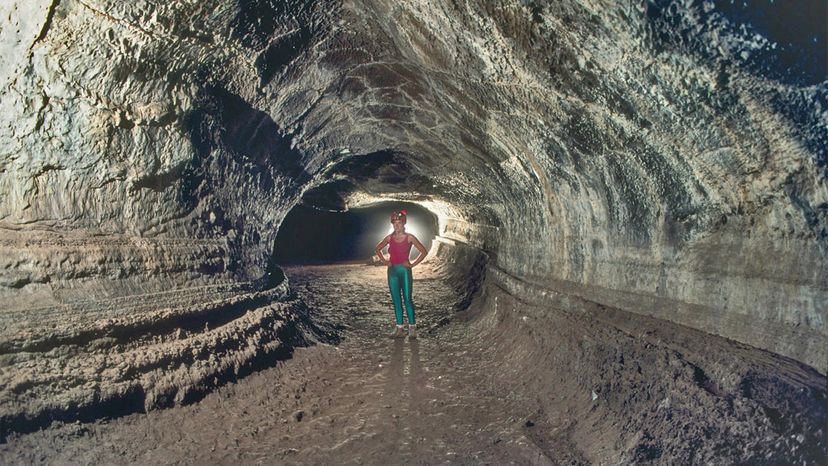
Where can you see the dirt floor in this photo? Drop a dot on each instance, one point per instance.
(450, 397)
(367, 400)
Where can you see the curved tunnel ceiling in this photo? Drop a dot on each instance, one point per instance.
(643, 156)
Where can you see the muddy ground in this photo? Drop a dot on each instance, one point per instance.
(483, 386)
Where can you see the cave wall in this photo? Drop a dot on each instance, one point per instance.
(634, 155)
(607, 152)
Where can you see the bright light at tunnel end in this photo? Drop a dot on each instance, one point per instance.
(440, 208)
(410, 227)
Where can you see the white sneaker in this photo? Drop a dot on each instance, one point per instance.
(397, 333)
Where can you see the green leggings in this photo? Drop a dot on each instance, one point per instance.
(399, 282)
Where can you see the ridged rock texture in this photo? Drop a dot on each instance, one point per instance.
(655, 158)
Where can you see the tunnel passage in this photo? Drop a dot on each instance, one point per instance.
(646, 159)
(323, 230)
(309, 235)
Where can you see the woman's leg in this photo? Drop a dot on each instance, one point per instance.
(394, 285)
(407, 285)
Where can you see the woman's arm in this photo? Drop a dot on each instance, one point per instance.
(417, 244)
(380, 246)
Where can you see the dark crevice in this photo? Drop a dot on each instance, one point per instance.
(703, 381)
(50, 15)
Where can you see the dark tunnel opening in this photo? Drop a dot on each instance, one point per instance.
(322, 231)
(310, 236)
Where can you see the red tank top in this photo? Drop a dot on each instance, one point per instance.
(399, 251)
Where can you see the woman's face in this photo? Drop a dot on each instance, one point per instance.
(399, 225)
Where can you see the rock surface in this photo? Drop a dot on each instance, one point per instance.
(640, 157)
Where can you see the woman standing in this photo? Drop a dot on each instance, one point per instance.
(399, 270)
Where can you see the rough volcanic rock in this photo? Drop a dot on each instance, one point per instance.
(641, 156)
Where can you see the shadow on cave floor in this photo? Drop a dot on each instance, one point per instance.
(484, 388)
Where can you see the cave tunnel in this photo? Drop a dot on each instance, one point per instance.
(310, 235)
(625, 207)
